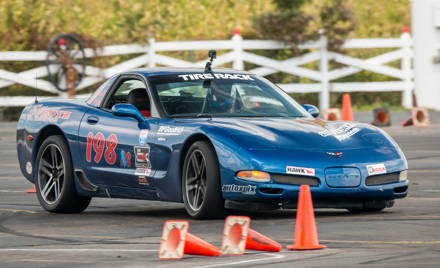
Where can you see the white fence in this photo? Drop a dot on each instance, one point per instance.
(238, 54)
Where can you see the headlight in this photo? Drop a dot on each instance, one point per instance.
(254, 175)
(403, 176)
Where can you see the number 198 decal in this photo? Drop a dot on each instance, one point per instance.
(102, 147)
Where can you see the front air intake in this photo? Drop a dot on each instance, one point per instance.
(295, 180)
(382, 179)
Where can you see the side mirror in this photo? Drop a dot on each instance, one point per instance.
(311, 109)
(127, 110)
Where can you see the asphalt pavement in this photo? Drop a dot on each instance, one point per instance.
(126, 233)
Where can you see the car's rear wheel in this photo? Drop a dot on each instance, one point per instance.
(54, 183)
(373, 206)
(201, 182)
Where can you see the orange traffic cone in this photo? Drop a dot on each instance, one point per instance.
(347, 113)
(332, 114)
(176, 241)
(237, 236)
(381, 117)
(31, 191)
(306, 235)
(419, 118)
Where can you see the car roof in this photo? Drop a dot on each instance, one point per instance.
(147, 72)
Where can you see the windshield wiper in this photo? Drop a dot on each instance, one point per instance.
(204, 115)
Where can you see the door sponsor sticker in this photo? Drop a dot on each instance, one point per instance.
(205, 76)
(376, 169)
(142, 155)
(142, 180)
(300, 171)
(143, 136)
(341, 133)
(170, 131)
(125, 159)
(142, 172)
(234, 188)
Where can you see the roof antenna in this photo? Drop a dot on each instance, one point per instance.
(212, 54)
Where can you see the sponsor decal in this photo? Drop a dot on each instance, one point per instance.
(170, 131)
(40, 112)
(300, 171)
(338, 154)
(341, 133)
(376, 169)
(143, 180)
(143, 136)
(142, 155)
(205, 76)
(125, 159)
(244, 189)
(29, 167)
(142, 172)
(102, 147)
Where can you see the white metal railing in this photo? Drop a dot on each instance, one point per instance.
(238, 54)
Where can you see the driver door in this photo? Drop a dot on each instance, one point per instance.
(115, 149)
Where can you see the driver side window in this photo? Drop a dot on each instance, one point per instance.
(132, 91)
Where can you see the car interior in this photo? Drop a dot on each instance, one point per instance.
(132, 92)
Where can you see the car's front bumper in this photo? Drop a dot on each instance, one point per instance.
(248, 191)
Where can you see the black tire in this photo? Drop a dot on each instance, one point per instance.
(373, 206)
(208, 183)
(55, 180)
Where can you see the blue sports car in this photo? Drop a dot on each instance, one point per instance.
(212, 139)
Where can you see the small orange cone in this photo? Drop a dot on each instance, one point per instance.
(419, 118)
(347, 113)
(31, 191)
(332, 114)
(306, 235)
(257, 241)
(381, 117)
(237, 236)
(176, 241)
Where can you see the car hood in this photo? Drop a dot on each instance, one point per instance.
(302, 134)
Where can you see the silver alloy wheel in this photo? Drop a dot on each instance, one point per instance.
(51, 170)
(195, 180)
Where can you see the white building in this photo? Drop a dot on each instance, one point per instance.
(426, 34)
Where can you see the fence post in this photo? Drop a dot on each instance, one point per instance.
(151, 52)
(324, 95)
(237, 41)
(407, 70)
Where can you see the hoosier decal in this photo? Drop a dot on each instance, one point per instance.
(300, 171)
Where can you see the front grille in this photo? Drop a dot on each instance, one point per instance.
(295, 180)
(382, 179)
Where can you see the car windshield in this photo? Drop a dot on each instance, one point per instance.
(222, 95)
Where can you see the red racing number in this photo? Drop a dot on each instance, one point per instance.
(101, 146)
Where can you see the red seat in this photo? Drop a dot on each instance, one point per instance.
(139, 98)
(146, 113)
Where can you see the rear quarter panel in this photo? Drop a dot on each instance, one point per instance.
(40, 119)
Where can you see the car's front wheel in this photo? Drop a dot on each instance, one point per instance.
(201, 182)
(54, 183)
